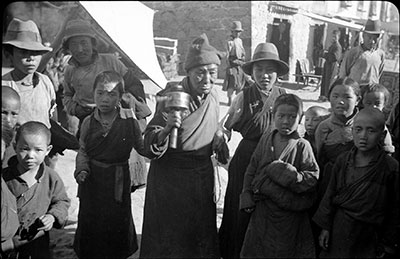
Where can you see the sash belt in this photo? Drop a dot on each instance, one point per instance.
(119, 176)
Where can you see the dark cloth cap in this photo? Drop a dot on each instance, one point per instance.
(266, 51)
(24, 35)
(201, 53)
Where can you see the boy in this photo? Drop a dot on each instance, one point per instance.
(374, 95)
(359, 212)
(23, 47)
(10, 106)
(377, 96)
(313, 117)
(10, 109)
(42, 201)
(279, 187)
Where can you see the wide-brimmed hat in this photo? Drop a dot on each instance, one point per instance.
(78, 28)
(236, 26)
(24, 35)
(372, 27)
(266, 51)
(202, 53)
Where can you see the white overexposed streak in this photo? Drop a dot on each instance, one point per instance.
(130, 26)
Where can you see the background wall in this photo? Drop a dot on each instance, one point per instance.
(185, 20)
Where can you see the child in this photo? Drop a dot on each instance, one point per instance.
(377, 96)
(279, 187)
(359, 212)
(250, 115)
(313, 117)
(23, 47)
(10, 106)
(333, 135)
(10, 109)
(105, 224)
(9, 216)
(42, 201)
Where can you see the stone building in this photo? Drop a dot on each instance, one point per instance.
(298, 28)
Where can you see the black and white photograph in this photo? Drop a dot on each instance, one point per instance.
(200, 129)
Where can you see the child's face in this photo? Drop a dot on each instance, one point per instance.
(26, 61)
(81, 48)
(264, 74)
(10, 108)
(311, 122)
(31, 150)
(286, 119)
(343, 100)
(106, 97)
(374, 99)
(366, 134)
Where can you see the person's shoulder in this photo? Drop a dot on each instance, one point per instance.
(343, 157)
(108, 57)
(43, 78)
(7, 76)
(8, 173)
(52, 173)
(325, 124)
(392, 163)
(354, 51)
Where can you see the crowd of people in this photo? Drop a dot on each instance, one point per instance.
(331, 193)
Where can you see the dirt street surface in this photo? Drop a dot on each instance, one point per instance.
(62, 240)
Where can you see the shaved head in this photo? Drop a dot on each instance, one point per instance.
(372, 115)
(8, 93)
(317, 111)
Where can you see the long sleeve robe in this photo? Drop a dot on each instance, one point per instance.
(280, 226)
(179, 211)
(360, 207)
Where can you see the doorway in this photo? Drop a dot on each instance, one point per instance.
(281, 38)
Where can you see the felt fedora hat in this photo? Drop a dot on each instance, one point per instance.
(266, 51)
(236, 26)
(24, 35)
(78, 28)
(372, 27)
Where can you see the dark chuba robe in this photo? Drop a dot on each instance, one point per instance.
(105, 224)
(179, 211)
(360, 207)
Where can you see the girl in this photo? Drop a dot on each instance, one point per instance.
(105, 224)
(333, 135)
(279, 188)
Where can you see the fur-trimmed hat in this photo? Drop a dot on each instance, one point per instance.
(266, 51)
(201, 53)
(78, 28)
(24, 35)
